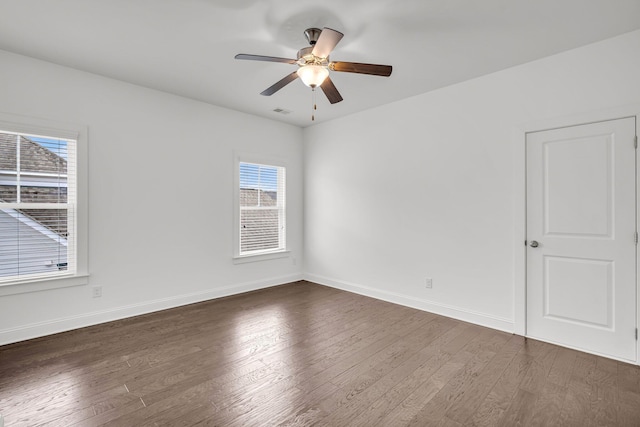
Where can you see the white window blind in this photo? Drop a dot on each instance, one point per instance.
(37, 206)
(262, 209)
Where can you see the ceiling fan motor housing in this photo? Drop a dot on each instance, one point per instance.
(306, 57)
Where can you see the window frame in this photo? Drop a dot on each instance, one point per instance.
(78, 133)
(238, 258)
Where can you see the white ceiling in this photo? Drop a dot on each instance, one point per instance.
(187, 47)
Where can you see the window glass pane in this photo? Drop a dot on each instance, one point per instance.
(269, 198)
(32, 241)
(258, 185)
(249, 197)
(41, 174)
(29, 194)
(8, 178)
(269, 186)
(7, 193)
(249, 193)
(259, 230)
(54, 220)
(7, 152)
(43, 155)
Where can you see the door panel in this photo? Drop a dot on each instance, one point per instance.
(578, 203)
(578, 290)
(581, 198)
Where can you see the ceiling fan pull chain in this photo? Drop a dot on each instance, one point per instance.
(313, 102)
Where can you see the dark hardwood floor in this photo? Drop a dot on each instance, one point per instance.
(304, 354)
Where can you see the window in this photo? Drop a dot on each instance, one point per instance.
(43, 205)
(261, 216)
(37, 206)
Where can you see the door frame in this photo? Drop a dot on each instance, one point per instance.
(519, 137)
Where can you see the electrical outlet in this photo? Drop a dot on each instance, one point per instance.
(96, 291)
(294, 261)
(429, 283)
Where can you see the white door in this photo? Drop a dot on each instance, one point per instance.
(581, 249)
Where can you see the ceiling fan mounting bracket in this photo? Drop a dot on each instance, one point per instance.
(312, 35)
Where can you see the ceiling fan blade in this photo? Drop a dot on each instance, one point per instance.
(357, 67)
(279, 85)
(330, 91)
(326, 42)
(264, 58)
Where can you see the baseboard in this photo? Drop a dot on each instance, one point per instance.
(494, 322)
(63, 324)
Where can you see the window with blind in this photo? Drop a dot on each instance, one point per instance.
(37, 206)
(262, 209)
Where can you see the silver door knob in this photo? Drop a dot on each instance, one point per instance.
(533, 244)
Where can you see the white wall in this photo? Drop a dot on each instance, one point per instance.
(160, 196)
(426, 187)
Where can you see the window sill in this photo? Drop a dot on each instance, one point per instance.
(45, 284)
(260, 257)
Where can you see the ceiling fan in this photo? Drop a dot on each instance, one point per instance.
(314, 64)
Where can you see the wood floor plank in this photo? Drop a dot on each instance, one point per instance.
(544, 356)
(628, 378)
(520, 410)
(604, 392)
(576, 408)
(469, 398)
(628, 414)
(436, 408)
(548, 405)
(383, 361)
(302, 354)
(408, 409)
(448, 422)
(182, 415)
(108, 417)
(431, 358)
(560, 371)
(372, 386)
(311, 371)
(496, 403)
(303, 409)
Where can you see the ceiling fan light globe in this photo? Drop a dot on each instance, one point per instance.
(313, 75)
